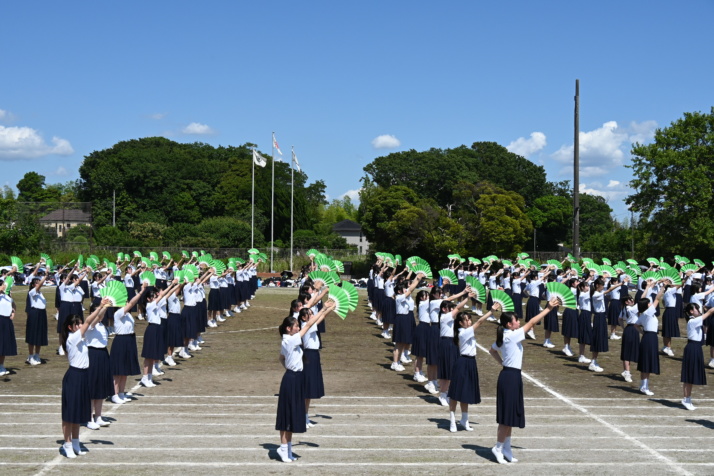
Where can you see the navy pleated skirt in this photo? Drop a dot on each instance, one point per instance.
(8, 344)
(389, 310)
(570, 323)
(510, 410)
(225, 298)
(693, 364)
(432, 345)
(291, 403)
(130, 293)
(710, 334)
(124, 357)
(189, 322)
(312, 374)
(550, 322)
(152, 347)
(378, 297)
(370, 290)
(630, 344)
(600, 336)
(101, 384)
(403, 325)
(585, 328)
(518, 304)
(670, 322)
(649, 354)
(232, 301)
(214, 300)
(532, 308)
(464, 386)
(36, 329)
(76, 403)
(447, 356)
(174, 331)
(613, 312)
(108, 319)
(202, 316)
(420, 339)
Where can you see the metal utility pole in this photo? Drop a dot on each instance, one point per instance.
(576, 175)
(114, 208)
(632, 232)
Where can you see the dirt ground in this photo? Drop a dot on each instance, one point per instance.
(215, 413)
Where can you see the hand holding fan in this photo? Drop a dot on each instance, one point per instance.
(477, 288)
(148, 277)
(448, 274)
(563, 293)
(341, 299)
(115, 291)
(503, 299)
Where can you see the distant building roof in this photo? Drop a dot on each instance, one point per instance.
(77, 216)
(347, 225)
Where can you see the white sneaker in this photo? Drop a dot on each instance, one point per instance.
(419, 377)
(219, 319)
(452, 426)
(479, 312)
(688, 405)
(429, 387)
(247, 304)
(491, 319)
(397, 366)
(386, 335)
(140, 317)
(147, 383)
(627, 376)
(499, 455)
(68, 452)
(192, 347)
(228, 313)
(614, 336)
(405, 359)
(646, 391)
(60, 351)
(57, 316)
(567, 351)
(157, 372)
(465, 425)
(711, 363)
(92, 425)
(584, 360)
(594, 367)
(668, 351)
(548, 345)
(102, 422)
(444, 400)
(169, 360)
(284, 457)
(211, 323)
(379, 322)
(184, 355)
(373, 316)
(125, 397)
(199, 340)
(117, 399)
(531, 334)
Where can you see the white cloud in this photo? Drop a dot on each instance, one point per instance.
(158, 116)
(386, 141)
(196, 128)
(26, 143)
(613, 184)
(613, 191)
(352, 194)
(526, 147)
(642, 132)
(6, 116)
(61, 171)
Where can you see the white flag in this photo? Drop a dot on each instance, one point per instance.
(275, 144)
(258, 159)
(295, 161)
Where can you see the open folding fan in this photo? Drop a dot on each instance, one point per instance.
(111, 266)
(137, 254)
(194, 254)
(632, 262)
(477, 288)
(92, 263)
(671, 275)
(698, 262)
(506, 263)
(146, 261)
(45, 256)
(205, 259)
(608, 271)
(325, 264)
(555, 262)
(683, 260)
(115, 291)
(571, 258)
(218, 265)
(324, 277)
(191, 267)
(80, 261)
(148, 277)
(503, 299)
(352, 294)
(17, 263)
(448, 274)
(621, 265)
(189, 275)
(339, 266)
(522, 255)
(154, 256)
(49, 264)
(650, 275)
(562, 292)
(689, 267)
(9, 282)
(424, 269)
(413, 260)
(179, 276)
(473, 260)
(606, 261)
(254, 251)
(312, 253)
(341, 299)
(632, 274)
(398, 260)
(166, 255)
(185, 254)
(653, 261)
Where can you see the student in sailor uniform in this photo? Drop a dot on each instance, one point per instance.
(570, 320)
(130, 283)
(585, 329)
(448, 351)
(516, 292)
(599, 331)
(291, 416)
(420, 337)
(153, 350)
(693, 358)
(312, 368)
(432, 343)
(508, 351)
(214, 300)
(614, 306)
(649, 355)
(550, 323)
(36, 329)
(403, 321)
(101, 384)
(76, 401)
(223, 296)
(8, 343)
(71, 295)
(174, 332)
(630, 349)
(670, 318)
(464, 386)
(534, 282)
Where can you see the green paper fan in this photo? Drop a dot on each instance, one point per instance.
(325, 264)
(635, 269)
(650, 275)
(352, 293)
(653, 261)
(191, 267)
(425, 270)
(562, 292)
(17, 262)
(263, 256)
(664, 265)
(339, 266)
(507, 263)
(148, 277)
(571, 258)
(632, 262)
(45, 257)
(219, 266)
(9, 282)
(189, 275)
(522, 255)
(587, 261)
(555, 262)
(341, 299)
(194, 254)
(699, 263)
(111, 266)
(80, 261)
(621, 266)
(608, 271)
(503, 299)
(398, 260)
(154, 256)
(688, 267)
(323, 277)
(671, 275)
(91, 263)
(312, 253)
(414, 260)
(477, 288)
(203, 252)
(146, 261)
(120, 256)
(606, 261)
(115, 291)
(595, 267)
(456, 257)
(185, 254)
(166, 255)
(448, 274)
(254, 251)
(240, 260)
(179, 275)
(137, 254)
(205, 259)
(632, 274)
(683, 260)
(474, 260)
(49, 265)
(95, 258)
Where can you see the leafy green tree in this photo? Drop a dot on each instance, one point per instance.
(552, 216)
(32, 188)
(674, 179)
(228, 232)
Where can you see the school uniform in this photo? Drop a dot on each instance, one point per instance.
(124, 357)
(649, 354)
(378, 293)
(161, 276)
(8, 344)
(492, 286)
(223, 293)
(434, 336)
(670, 322)
(388, 305)
(189, 313)
(214, 295)
(447, 348)
(312, 367)
(370, 288)
(600, 335)
(570, 320)
(153, 347)
(202, 308)
(130, 286)
(291, 398)
(420, 337)
(101, 384)
(533, 303)
(36, 329)
(231, 293)
(76, 401)
(174, 332)
(510, 409)
(517, 296)
(614, 307)
(70, 303)
(403, 319)
(630, 349)
(550, 322)
(585, 329)
(693, 358)
(464, 386)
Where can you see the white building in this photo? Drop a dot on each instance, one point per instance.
(352, 232)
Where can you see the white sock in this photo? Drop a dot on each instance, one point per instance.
(75, 445)
(499, 446)
(465, 417)
(290, 450)
(452, 417)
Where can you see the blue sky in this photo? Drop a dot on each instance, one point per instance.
(345, 82)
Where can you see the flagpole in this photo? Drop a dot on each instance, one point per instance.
(252, 208)
(272, 207)
(292, 192)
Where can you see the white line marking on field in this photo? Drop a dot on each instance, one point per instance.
(672, 464)
(277, 464)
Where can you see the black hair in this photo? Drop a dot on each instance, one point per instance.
(446, 306)
(626, 298)
(143, 301)
(303, 298)
(642, 305)
(294, 303)
(505, 319)
(599, 281)
(436, 292)
(287, 322)
(400, 287)
(305, 311)
(689, 308)
(69, 321)
(422, 295)
(460, 317)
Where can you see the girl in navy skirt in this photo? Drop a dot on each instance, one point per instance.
(312, 368)
(599, 331)
(533, 303)
(448, 352)
(36, 329)
(570, 320)
(614, 306)
(630, 349)
(70, 301)
(432, 343)
(649, 355)
(508, 352)
(8, 344)
(550, 323)
(76, 400)
(516, 293)
(291, 416)
(585, 329)
(153, 305)
(670, 318)
(420, 337)
(101, 385)
(693, 358)
(403, 321)
(174, 332)
(388, 305)
(214, 300)
(464, 387)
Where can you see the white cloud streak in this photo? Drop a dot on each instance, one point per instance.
(17, 143)
(527, 147)
(386, 141)
(196, 128)
(352, 194)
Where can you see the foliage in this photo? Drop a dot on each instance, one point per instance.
(552, 217)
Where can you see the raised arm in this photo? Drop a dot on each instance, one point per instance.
(553, 303)
(329, 306)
